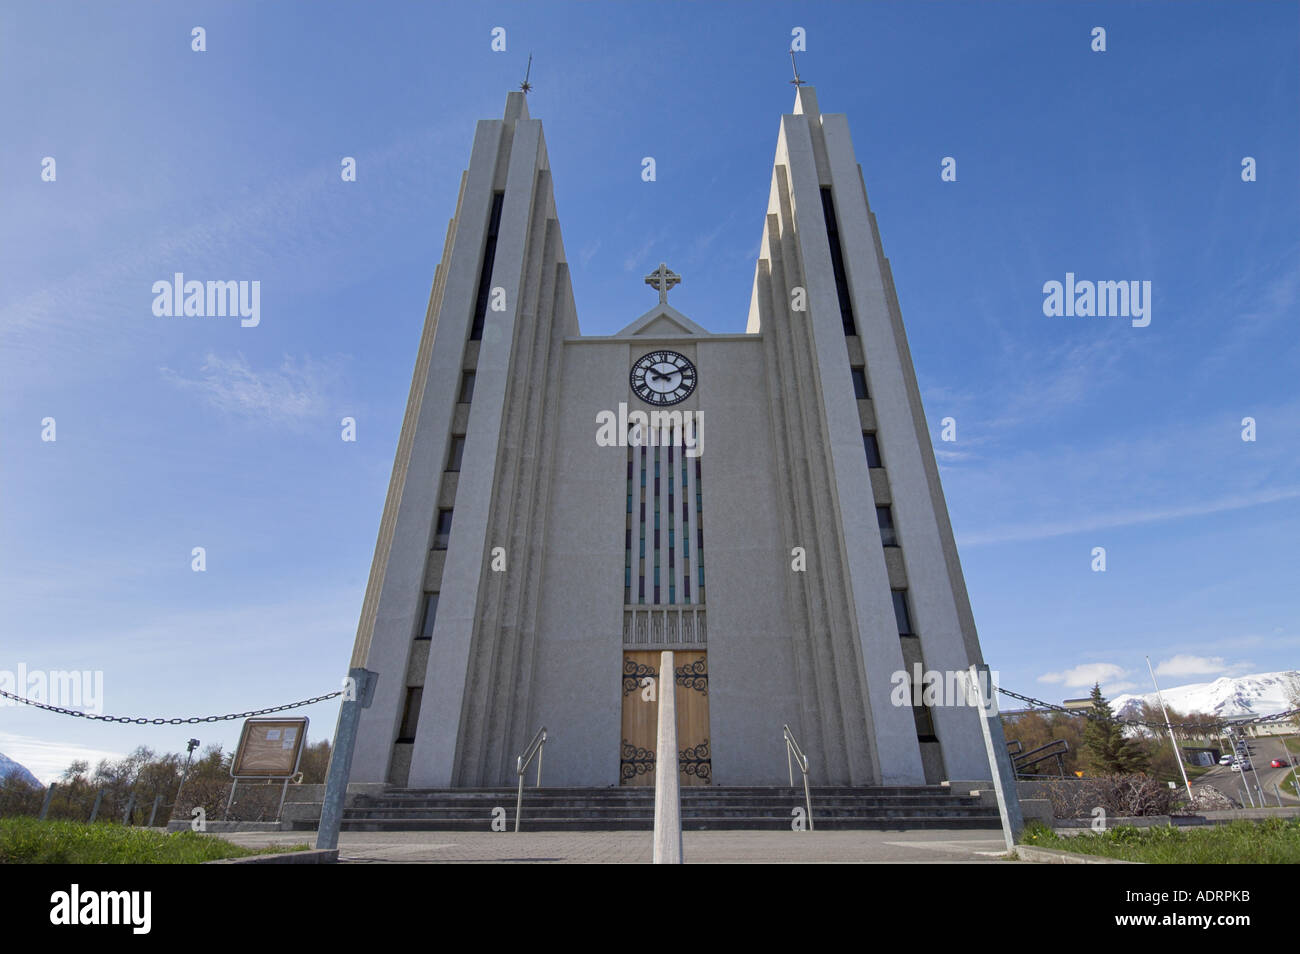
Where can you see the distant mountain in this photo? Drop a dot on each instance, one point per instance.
(9, 767)
(1261, 694)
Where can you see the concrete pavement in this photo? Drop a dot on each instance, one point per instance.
(636, 847)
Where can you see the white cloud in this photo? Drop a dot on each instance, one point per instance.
(1184, 664)
(1085, 675)
(293, 393)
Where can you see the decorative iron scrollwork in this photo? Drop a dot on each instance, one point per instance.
(697, 761)
(693, 675)
(635, 761)
(634, 673)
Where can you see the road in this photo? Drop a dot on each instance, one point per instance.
(1229, 782)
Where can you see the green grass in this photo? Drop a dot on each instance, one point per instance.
(1271, 841)
(29, 841)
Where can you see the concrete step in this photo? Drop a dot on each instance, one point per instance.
(703, 808)
(742, 823)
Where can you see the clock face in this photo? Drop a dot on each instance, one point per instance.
(663, 378)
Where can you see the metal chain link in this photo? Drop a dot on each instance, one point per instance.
(1037, 703)
(190, 721)
(1089, 714)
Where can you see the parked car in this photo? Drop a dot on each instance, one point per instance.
(1225, 760)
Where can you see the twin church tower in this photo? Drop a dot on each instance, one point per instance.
(790, 543)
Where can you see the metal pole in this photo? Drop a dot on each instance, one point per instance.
(49, 796)
(234, 784)
(1178, 756)
(668, 805)
(1013, 822)
(362, 682)
(1279, 794)
(519, 800)
(99, 798)
(157, 800)
(807, 795)
(130, 804)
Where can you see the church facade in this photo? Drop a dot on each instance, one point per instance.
(563, 507)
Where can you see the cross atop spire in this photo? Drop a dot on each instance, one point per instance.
(663, 279)
(525, 85)
(796, 81)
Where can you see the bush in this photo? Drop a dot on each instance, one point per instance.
(1121, 796)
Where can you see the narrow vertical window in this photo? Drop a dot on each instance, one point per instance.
(443, 532)
(901, 614)
(455, 452)
(410, 714)
(837, 262)
(485, 271)
(860, 383)
(872, 448)
(430, 616)
(885, 518)
(466, 387)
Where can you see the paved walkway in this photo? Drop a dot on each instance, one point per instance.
(930, 846)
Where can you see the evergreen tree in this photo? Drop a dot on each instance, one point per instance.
(1109, 751)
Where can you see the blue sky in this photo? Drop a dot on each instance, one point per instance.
(1072, 433)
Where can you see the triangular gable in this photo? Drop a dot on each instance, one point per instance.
(662, 321)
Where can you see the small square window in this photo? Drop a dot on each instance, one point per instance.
(872, 449)
(860, 383)
(443, 533)
(455, 452)
(466, 387)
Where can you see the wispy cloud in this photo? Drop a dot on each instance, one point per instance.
(1126, 518)
(293, 393)
(47, 759)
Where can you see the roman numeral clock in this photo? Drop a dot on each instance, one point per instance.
(663, 378)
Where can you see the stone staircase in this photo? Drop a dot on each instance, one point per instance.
(703, 809)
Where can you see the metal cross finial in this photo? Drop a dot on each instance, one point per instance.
(663, 279)
(525, 85)
(796, 81)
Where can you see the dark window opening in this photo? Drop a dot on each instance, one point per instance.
(860, 383)
(837, 262)
(430, 616)
(872, 448)
(443, 533)
(901, 614)
(466, 387)
(485, 273)
(410, 714)
(455, 452)
(888, 535)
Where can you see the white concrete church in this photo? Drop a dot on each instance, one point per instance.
(541, 543)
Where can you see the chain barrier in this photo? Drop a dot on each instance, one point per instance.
(1201, 726)
(1034, 703)
(190, 721)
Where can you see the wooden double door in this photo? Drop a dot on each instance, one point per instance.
(641, 682)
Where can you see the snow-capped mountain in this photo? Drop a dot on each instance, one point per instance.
(1261, 694)
(9, 767)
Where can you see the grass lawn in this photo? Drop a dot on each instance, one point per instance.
(29, 841)
(1272, 841)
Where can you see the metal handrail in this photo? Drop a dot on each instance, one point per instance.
(521, 764)
(792, 748)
